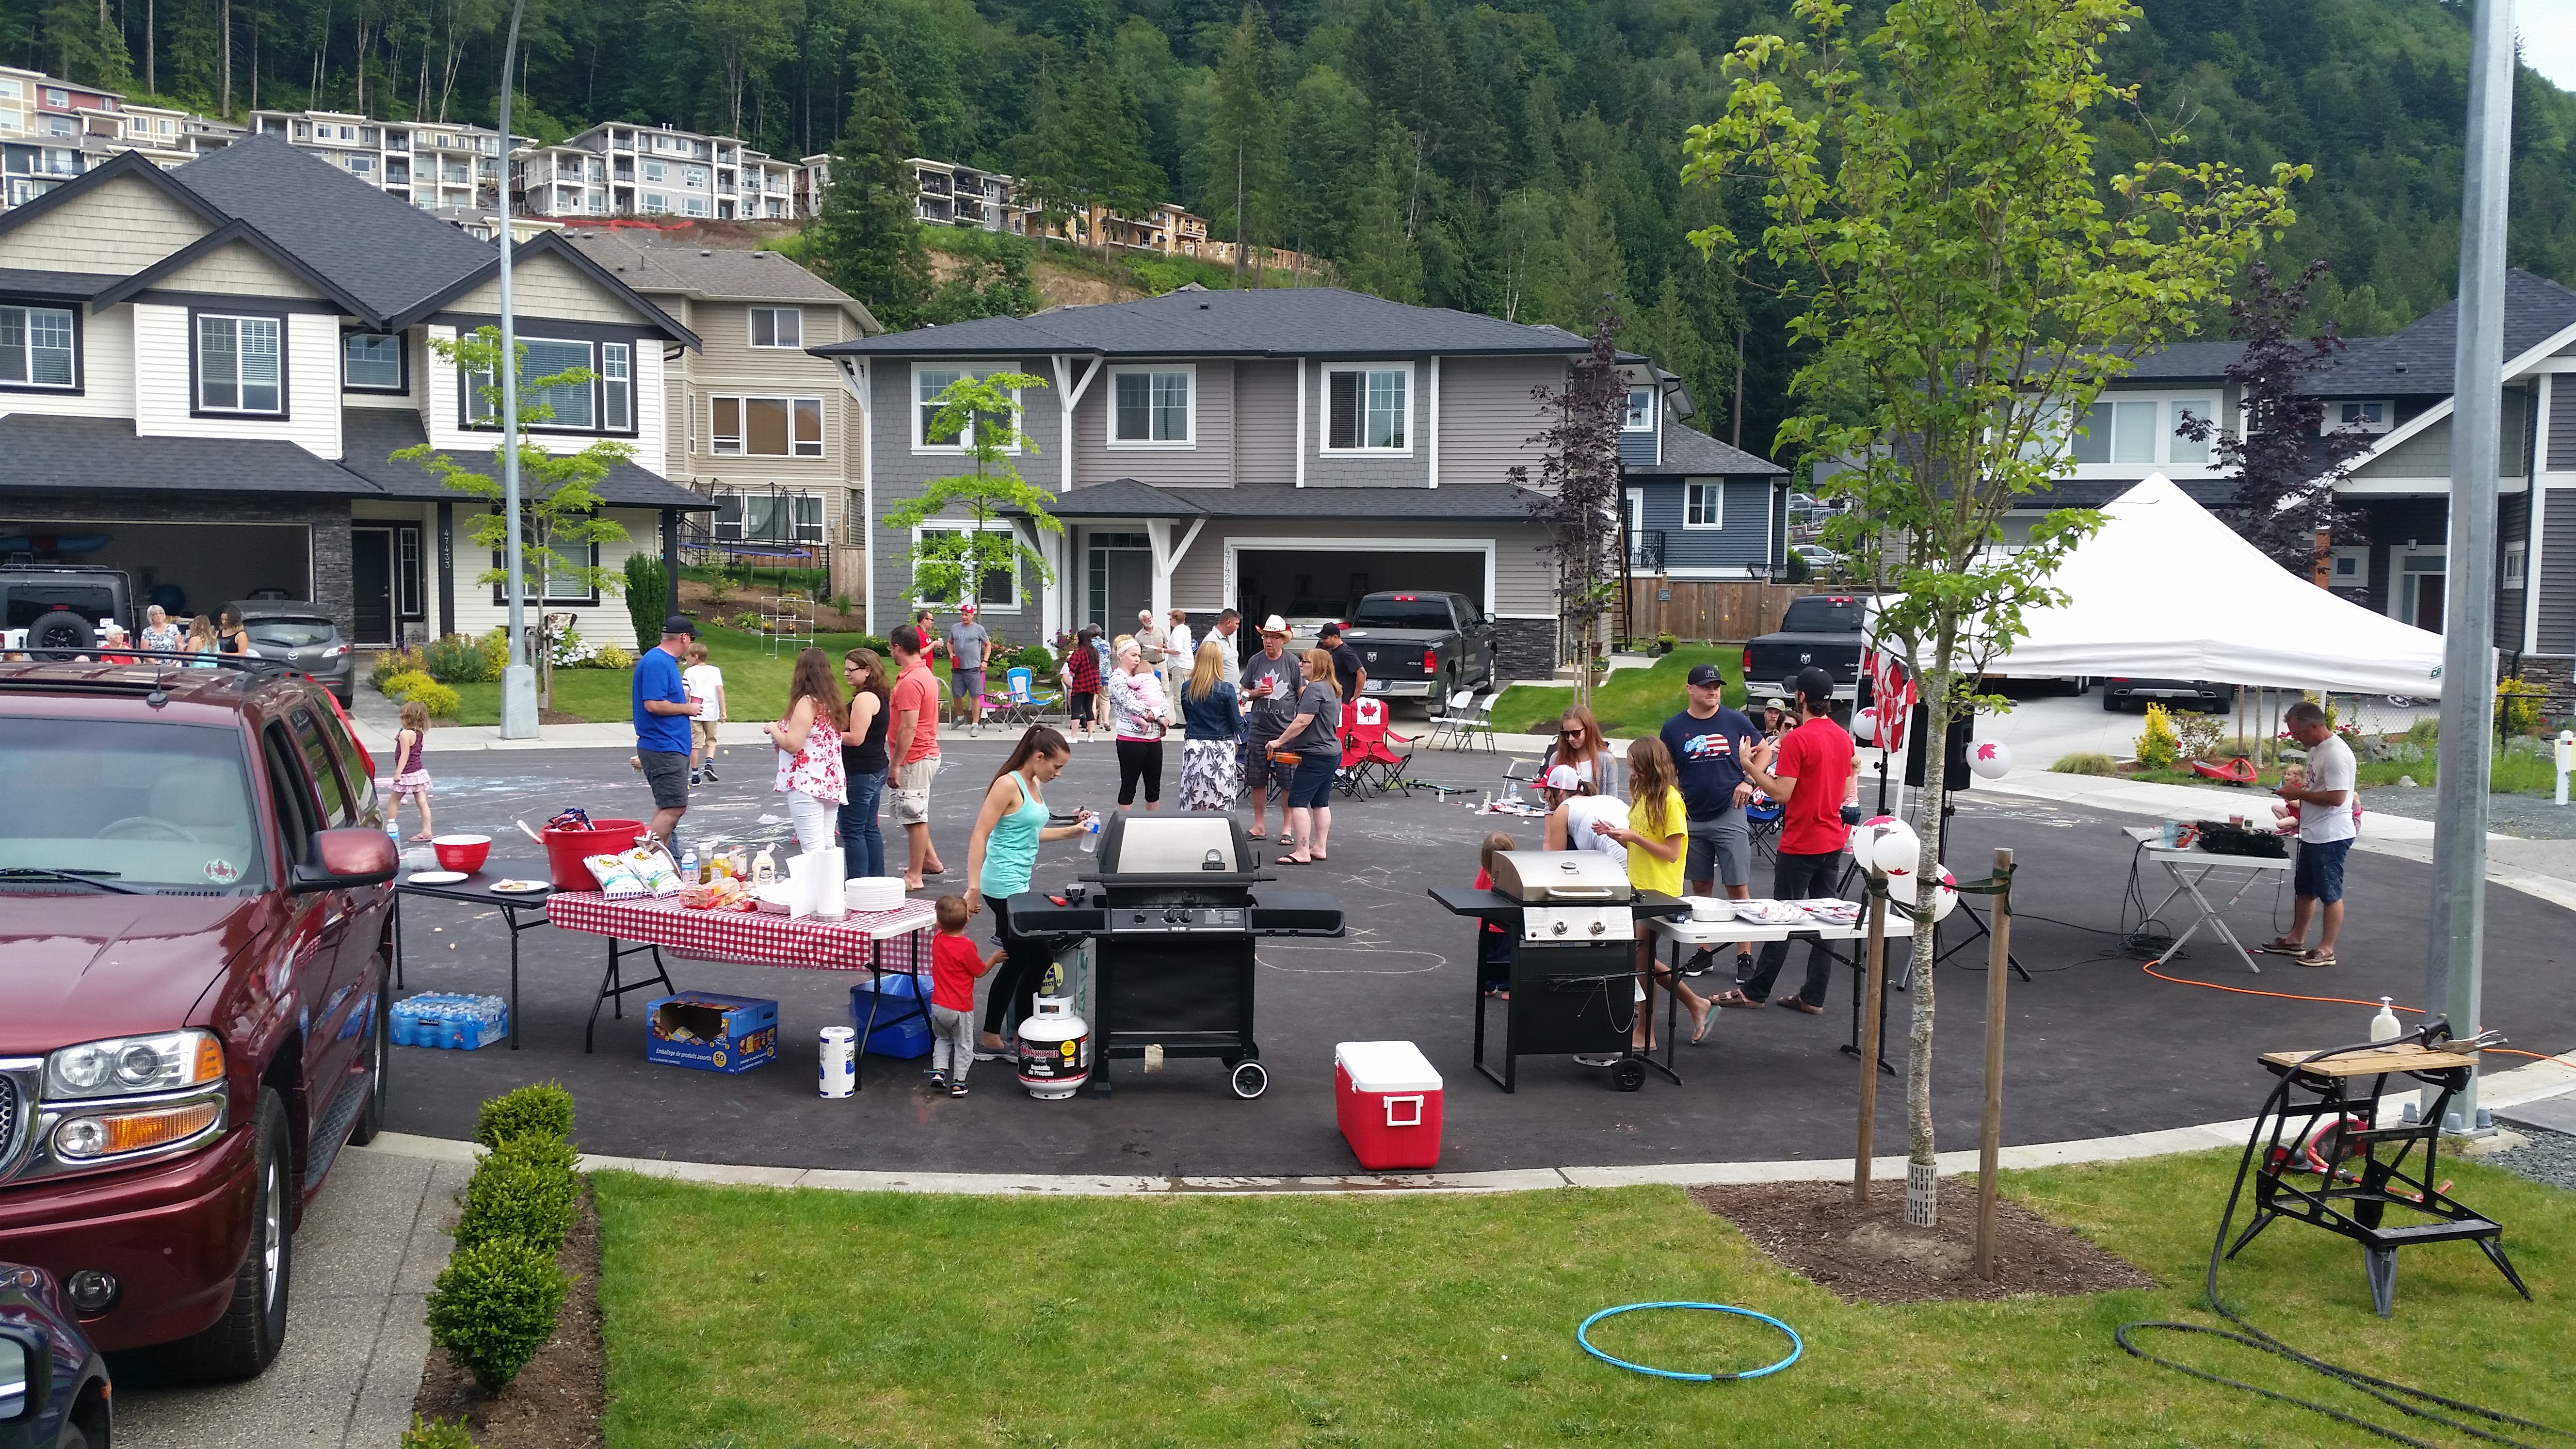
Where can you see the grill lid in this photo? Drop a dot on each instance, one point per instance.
(1536, 877)
(1204, 854)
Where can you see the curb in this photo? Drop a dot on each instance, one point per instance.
(2505, 1089)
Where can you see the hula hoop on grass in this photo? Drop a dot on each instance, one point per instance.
(1797, 1345)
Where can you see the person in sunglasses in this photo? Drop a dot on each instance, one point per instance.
(1578, 744)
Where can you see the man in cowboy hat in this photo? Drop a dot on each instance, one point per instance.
(1269, 688)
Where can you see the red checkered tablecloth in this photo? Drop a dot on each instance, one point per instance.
(855, 943)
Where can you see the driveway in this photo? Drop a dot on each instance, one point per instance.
(2041, 730)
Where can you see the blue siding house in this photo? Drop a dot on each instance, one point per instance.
(1695, 507)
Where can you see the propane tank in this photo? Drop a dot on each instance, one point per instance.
(1055, 1050)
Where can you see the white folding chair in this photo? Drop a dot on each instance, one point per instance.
(1451, 724)
(1481, 722)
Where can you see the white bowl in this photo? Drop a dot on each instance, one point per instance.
(1710, 908)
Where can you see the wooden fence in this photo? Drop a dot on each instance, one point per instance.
(1702, 611)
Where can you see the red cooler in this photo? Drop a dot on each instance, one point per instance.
(1387, 1100)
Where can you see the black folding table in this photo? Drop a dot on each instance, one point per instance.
(476, 890)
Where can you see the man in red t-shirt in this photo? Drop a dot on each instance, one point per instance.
(1806, 771)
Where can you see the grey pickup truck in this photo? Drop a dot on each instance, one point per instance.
(1823, 630)
(1421, 646)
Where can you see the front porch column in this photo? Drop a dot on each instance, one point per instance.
(670, 561)
(446, 567)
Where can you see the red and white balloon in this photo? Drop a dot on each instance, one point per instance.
(1865, 725)
(1940, 894)
(1990, 759)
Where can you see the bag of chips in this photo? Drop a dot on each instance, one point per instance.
(617, 880)
(652, 867)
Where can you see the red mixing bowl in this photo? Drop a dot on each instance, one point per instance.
(461, 852)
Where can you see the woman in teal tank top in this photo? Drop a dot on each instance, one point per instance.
(999, 858)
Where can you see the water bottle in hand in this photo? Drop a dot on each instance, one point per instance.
(1090, 833)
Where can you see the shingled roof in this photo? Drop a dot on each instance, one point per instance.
(2418, 357)
(1271, 322)
(714, 274)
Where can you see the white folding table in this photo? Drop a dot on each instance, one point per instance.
(2190, 869)
(1695, 934)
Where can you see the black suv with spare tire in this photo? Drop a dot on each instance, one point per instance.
(195, 910)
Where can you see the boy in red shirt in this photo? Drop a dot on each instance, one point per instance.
(954, 965)
(1806, 771)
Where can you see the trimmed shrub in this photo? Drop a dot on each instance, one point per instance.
(648, 589)
(436, 1434)
(494, 1306)
(392, 662)
(543, 1108)
(455, 659)
(437, 698)
(1037, 658)
(400, 686)
(495, 648)
(2158, 745)
(612, 657)
(525, 1191)
(2084, 763)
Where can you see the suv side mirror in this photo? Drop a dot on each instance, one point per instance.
(344, 860)
(26, 1371)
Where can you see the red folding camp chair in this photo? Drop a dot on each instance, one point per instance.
(1369, 762)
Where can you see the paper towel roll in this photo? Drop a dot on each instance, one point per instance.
(801, 873)
(830, 873)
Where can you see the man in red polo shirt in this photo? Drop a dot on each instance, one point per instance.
(1806, 771)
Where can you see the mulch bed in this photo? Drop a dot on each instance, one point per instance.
(556, 1401)
(1868, 1254)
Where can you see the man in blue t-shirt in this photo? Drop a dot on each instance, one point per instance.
(1702, 740)
(663, 709)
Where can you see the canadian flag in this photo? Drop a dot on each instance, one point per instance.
(1891, 687)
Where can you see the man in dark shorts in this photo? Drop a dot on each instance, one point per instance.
(1270, 683)
(1807, 772)
(969, 644)
(663, 710)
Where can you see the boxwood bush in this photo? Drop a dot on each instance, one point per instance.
(525, 1190)
(544, 1108)
(495, 1305)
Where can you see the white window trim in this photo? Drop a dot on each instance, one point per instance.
(2513, 574)
(791, 401)
(750, 337)
(957, 449)
(1109, 412)
(1715, 485)
(1324, 413)
(1019, 592)
(71, 319)
(2164, 400)
(2332, 419)
(1654, 408)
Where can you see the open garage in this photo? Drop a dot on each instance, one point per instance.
(1328, 580)
(182, 566)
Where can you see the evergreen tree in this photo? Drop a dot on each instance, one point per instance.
(1236, 162)
(867, 238)
(1380, 256)
(1669, 334)
(1327, 131)
(1112, 171)
(1045, 158)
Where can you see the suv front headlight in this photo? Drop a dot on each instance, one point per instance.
(128, 1065)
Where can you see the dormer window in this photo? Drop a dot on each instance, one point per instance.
(1641, 410)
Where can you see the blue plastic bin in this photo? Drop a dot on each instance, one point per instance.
(904, 1039)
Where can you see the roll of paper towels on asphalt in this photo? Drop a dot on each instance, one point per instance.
(840, 1072)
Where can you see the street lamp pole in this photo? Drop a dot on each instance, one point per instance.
(519, 679)
(2453, 965)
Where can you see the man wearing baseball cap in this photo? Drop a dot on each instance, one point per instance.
(1271, 680)
(1702, 741)
(663, 710)
(969, 644)
(1806, 770)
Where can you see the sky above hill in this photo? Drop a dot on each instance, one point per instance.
(2548, 30)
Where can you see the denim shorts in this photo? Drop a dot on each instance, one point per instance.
(2319, 873)
(1721, 850)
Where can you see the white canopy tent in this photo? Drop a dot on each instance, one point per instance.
(2167, 591)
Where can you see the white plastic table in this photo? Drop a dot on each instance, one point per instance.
(2189, 869)
(1727, 933)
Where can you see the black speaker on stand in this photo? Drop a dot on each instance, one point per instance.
(1955, 776)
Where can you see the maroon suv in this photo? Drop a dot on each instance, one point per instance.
(195, 905)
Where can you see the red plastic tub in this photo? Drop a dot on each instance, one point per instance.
(1386, 1098)
(565, 850)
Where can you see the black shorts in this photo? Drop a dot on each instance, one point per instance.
(1262, 773)
(667, 771)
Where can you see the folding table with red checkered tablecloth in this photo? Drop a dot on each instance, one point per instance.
(871, 941)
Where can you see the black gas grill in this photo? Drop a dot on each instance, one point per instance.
(1569, 917)
(1173, 917)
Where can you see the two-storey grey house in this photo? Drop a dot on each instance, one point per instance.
(1279, 451)
(1696, 508)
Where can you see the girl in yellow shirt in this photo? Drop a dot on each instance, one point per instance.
(1655, 835)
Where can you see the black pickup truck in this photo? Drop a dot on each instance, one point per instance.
(1421, 646)
(1824, 630)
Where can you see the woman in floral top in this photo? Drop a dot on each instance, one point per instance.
(809, 750)
(1137, 705)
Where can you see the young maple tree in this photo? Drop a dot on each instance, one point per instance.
(1968, 291)
(1578, 491)
(2287, 465)
(950, 562)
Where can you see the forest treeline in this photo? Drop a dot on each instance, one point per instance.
(1513, 157)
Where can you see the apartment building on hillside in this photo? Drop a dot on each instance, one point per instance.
(433, 165)
(52, 131)
(621, 169)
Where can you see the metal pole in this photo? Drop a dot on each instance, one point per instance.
(1990, 1134)
(1874, 991)
(2452, 966)
(519, 679)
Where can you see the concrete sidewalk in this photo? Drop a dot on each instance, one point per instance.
(356, 1339)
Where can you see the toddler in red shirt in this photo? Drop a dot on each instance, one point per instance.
(954, 965)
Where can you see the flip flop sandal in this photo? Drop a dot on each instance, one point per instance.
(1699, 1033)
(2316, 958)
(1256, 835)
(1795, 1003)
(1291, 860)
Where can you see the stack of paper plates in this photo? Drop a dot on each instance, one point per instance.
(873, 892)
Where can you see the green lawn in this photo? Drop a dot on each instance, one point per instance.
(742, 1316)
(1630, 702)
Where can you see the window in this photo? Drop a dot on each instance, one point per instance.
(2141, 432)
(36, 347)
(326, 776)
(1365, 409)
(766, 427)
(769, 517)
(694, 177)
(656, 171)
(1704, 504)
(1641, 410)
(371, 362)
(616, 387)
(927, 384)
(2513, 568)
(996, 583)
(777, 327)
(563, 583)
(1151, 407)
(240, 368)
(361, 165)
(656, 201)
(693, 206)
(2359, 417)
(569, 400)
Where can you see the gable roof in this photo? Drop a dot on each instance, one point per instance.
(2183, 361)
(1688, 451)
(715, 274)
(230, 233)
(1271, 322)
(2418, 357)
(541, 245)
(1451, 503)
(384, 260)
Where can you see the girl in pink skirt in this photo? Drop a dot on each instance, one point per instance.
(411, 778)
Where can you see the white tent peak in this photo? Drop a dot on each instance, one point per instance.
(2167, 591)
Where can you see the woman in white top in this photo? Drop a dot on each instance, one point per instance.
(1138, 705)
(1180, 659)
